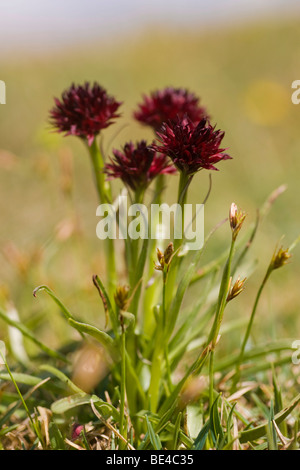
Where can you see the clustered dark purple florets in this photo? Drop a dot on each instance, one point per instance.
(191, 147)
(84, 111)
(168, 105)
(186, 139)
(137, 165)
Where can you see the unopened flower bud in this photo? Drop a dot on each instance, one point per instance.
(280, 258)
(169, 253)
(236, 289)
(121, 297)
(164, 259)
(236, 219)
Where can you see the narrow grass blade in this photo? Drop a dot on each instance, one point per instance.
(154, 438)
(202, 436)
(103, 338)
(26, 332)
(56, 439)
(259, 431)
(61, 376)
(62, 307)
(107, 303)
(79, 399)
(215, 422)
(271, 431)
(176, 431)
(33, 423)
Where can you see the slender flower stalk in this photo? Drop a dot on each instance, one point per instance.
(123, 430)
(103, 186)
(184, 182)
(191, 148)
(214, 333)
(279, 259)
(152, 290)
(169, 104)
(224, 292)
(164, 260)
(104, 194)
(137, 165)
(84, 111)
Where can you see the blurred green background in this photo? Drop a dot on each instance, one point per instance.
(243, 75)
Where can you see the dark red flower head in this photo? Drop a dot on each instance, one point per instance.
(84, 111)
(191, 147)
(137, 165)
(168, 105)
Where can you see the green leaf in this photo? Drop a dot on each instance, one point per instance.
(56, 439)
(162, 423)
(8, 429)
(67, 403)
(154, 438)
(26, 332)
(202, 436)
(255, 352)
(194, 368)
(271, 431)
(278, 403)
(61, 376)
(106, 302)
(21, 378)
(103, 338)
(79, 399)
(182, 287)
(259, 431)
(230, 439)
(176, 431)
(106, 409)
(64, 309)
(215, 422)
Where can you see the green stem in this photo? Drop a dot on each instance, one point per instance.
(104, 193)
(133, 272)
(103, 187)
(249, 326)
(152, 292)
(165, 276)
(160, 352)
(184, 182)
(164, 319)
(157, 359)
(211, 378)
(212, 338)
(33, 424)
(123, 386)
(134, 245)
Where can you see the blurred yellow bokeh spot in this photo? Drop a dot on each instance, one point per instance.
(266, 102)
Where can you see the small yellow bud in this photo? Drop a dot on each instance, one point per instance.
(236, 219)
(164, 259)
(280, 258)
(236, 289)
(122, 297)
